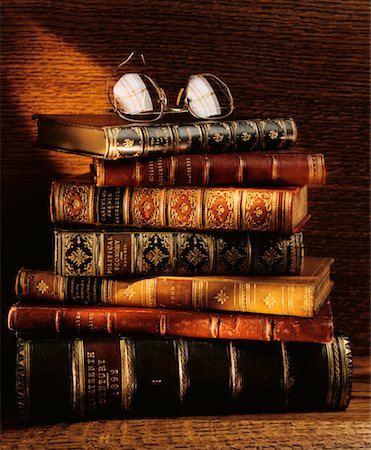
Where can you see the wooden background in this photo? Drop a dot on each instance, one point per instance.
(308, 60)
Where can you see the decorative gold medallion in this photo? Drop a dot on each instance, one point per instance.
(42, 287)
(221, 297)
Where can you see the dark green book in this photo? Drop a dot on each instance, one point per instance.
(76, 379)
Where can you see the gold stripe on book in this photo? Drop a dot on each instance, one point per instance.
(286, 375)
(128, 381)
(78, 378)
(235, 374)
(182, 371)
(331, 375)
(23, 379)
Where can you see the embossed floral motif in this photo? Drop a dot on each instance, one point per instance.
(146, 206)
(218, 137)
(273, 134)
(155, 256)
(258, 211)
(220, 209)
(233, 256)
(128, 142)
(128, 292)
(184, 208)
(221, 297)
(270, 256)
(195, 256)
(78, 257)
(245, 136)
(42, 287)
(269, 301)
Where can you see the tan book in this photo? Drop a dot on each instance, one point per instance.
(300, 296)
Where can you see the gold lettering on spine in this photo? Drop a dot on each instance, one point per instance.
(127, 374)
(78, 378)
(285, 375)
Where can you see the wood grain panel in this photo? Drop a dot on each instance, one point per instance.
(308, 60)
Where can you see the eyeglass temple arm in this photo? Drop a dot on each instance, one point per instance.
(115, 70)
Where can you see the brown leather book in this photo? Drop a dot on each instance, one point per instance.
(36, 320)
(285, 295)
(229, 209)
(99, 377)
(234, 169)
(110, 137)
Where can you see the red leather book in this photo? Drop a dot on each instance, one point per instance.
(86, 320)
(234, 169)
(199, 208)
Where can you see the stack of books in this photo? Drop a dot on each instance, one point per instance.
(180, 283)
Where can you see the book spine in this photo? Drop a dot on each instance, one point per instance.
(113, 253)
(201, 137)
(74, 321)
(199, 208)
(79, 379)
(243, 169)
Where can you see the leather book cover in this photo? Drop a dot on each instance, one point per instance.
(291, 295)
(55, 320)
(79, 379)
(199, 208)
(116, 252)
(232, 169)
(107, 136)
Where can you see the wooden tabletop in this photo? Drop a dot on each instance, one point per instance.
(318, 430)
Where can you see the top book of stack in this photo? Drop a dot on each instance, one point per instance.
(109, 137)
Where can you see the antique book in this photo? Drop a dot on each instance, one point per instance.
(76, 379)
(55, 320)
(108, 136)
(199, 208)
(234, 169)
(137, 252)
(285, 295)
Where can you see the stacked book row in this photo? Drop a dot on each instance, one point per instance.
(180, 281)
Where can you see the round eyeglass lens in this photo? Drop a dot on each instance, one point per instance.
(136, 96)
(208, 97)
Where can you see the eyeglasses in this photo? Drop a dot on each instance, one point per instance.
(137, 97)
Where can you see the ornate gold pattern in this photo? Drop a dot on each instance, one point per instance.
(23, 379)
(220, 209)
(74, 206)
(183, 204)
(42, 287)
(269, 301)
(128, 143)
(257, 208)
(146, 207)
(245, 136)
(273, 134)
(128, 292)
(218, 137)
(222, 296)
(77, 253)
